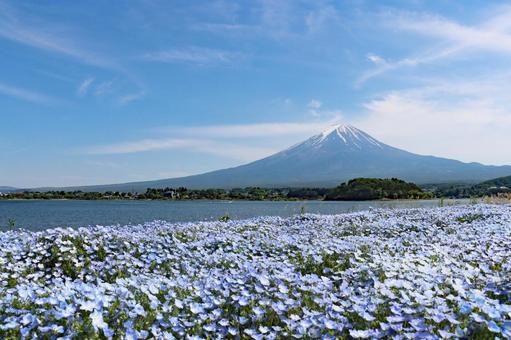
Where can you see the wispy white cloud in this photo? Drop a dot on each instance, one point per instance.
(227, 150)
(29, 30)
(376, 59)
(490, 36)
(128, 98)
(84, 86)
(314, 104)
(322, 17)
(140, 146)
(279, 20)
(26, 95)
(451, 39)
(423, 58)
(194, 55)
(260, 130)
(104, 87)
(57, 76)
(314, 107)
(462, 115)
(243, 142)
(459, 118)
(224, 27)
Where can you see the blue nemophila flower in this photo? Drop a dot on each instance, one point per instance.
(374, 274)
(362, 334)
(477, 317)
(263, 329)
(465, 308)
(209, 328)
(88, 305)
(330, 324)
(97, 320)
(506, 329)
(493, 327)
(367, 316)
(196, 308)
(232, 331)
(28, 319)
(9, 325)
(178, 303)
(258, 311)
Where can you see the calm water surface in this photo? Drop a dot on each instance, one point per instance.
(36, 215)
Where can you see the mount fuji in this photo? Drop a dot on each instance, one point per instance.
(340, 153)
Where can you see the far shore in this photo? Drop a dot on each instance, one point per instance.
(447, 199)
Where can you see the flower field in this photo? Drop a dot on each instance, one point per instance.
(416, 273)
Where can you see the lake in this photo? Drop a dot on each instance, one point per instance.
(40, 214)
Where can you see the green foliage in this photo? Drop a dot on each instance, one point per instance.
(11, 224)
(492, 187)
(327, 263)
(307, 193)
(356, 189)
(249, 193)
(225, 218)
(361, 189)
(470, 218)
(497, 182)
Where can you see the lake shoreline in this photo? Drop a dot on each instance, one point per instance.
(221, 200)
(43, 214)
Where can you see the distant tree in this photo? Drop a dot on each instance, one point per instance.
(360, 189)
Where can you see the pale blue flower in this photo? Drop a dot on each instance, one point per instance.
(360, 334)
(493, 327)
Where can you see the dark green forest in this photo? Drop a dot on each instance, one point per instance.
(501, 185)
(251, 194)
(365, 189)
(353, 190)
(362, 189)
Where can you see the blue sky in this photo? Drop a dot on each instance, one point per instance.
(102, 92)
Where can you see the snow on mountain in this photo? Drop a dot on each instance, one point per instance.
(343, 136)
(339, 153)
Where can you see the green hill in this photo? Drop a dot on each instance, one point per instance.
(361, 189)
(497, 182)
(493, 186)
(461, 190)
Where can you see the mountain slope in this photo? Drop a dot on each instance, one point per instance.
(338, 154)
(495, 183)
(7, 189)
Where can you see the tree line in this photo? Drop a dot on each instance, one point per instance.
(494, 187)
(357, 189)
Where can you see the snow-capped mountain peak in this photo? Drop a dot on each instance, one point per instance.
(339, 153)
(347, 135)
